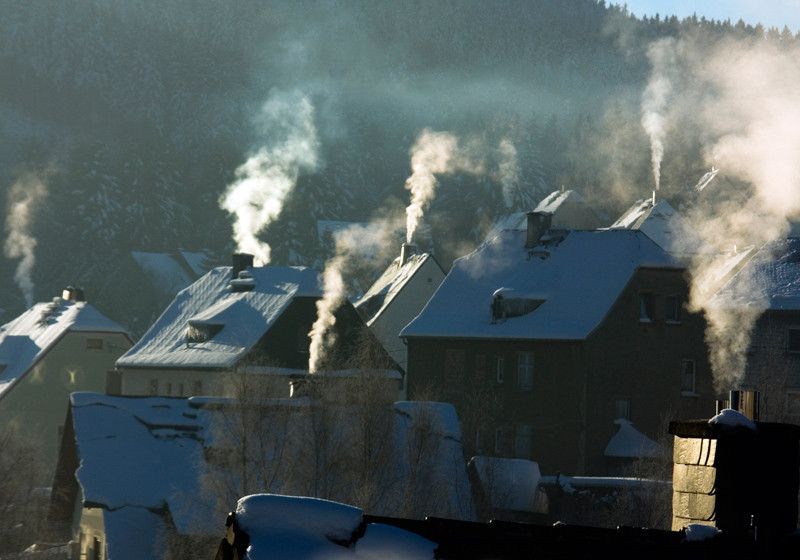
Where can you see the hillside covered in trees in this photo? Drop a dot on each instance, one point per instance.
(123, 123)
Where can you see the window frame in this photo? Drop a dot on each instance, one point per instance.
(685, 391)
(500, 370)
(525, 378)
(672, 308)
(622, 401)
(523, 431)
(647, 301)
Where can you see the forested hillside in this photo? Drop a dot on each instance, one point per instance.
(123, 122)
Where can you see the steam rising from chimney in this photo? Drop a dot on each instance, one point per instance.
(434, 153)
(743, 96)
(263, 182)
(352, 244)
(23, 199)
(508, 170)
(655, 100)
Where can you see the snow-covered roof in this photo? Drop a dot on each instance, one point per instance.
(630, 443)
(664, 225)
(244, 317)
(145, 454)
(389, 284)
(26, 339)
(168, 275)
(556, 199)
(769, 280)
(292, 528)
(510, 483)
(558, 204)
(574, 282)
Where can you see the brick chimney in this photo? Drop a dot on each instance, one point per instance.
(406, 251)
(538, 223)
(241, 261)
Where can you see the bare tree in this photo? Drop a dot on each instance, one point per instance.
(23, 506)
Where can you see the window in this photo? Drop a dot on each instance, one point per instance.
(499, 441)
(201, 332)
(646, 303)
(169, 389)
(525, 370)
(622, 408)
(302, 340)
(672, 311)
(480, 368)
(499, 370)
(688, 377)
(198, 388)
(793, 339)
(154, 387)
(94, 343)
(522, 441)
(454, 366)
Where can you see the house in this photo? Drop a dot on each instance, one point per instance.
(46, 353)
(543, 338)
(398, 295)
(567, 209)
(138, 477)
(239, 319)
(766, 288)
(154, 279)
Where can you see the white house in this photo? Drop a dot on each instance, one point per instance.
(398, 296)
(46, 353)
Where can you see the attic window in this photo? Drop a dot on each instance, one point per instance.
(202, 332)
(507, 303)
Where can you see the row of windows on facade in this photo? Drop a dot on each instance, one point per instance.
(454, 370)
(178, 388)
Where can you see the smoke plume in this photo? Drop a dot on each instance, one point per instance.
(264, 181)
(434, 153)
(353, 245)
(508, 170)
(743, 96)
(23, 199)
(655, 101)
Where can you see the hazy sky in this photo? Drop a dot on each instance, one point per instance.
(770, 13)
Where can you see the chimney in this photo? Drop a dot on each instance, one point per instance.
(241, 261)
(71, 293)
(406, 251)
(538, 223)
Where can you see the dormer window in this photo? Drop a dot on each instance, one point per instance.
(201, 332)
(508, 303)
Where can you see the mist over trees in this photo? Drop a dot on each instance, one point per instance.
(136, 114)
